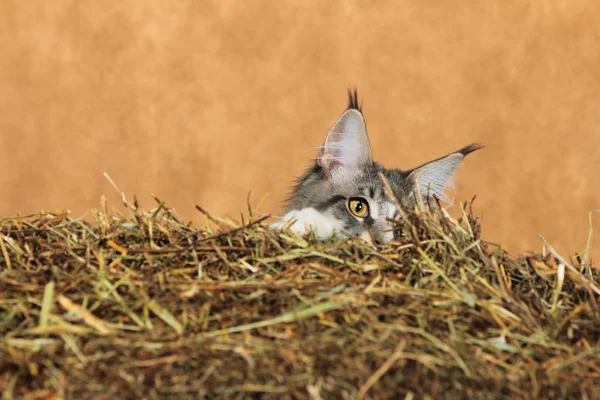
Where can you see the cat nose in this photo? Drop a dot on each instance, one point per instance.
(366, 237)
(388, 235)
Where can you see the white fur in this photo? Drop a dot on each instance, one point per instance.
(374, 210)
(324, 226)
(389, 235)
(308, 219)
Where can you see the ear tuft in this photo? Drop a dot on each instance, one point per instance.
(353, 100)
(470, 148)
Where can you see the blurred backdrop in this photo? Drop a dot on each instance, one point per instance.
(200, 102)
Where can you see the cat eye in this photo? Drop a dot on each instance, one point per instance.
(358, 207)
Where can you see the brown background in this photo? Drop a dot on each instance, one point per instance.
(200, 102)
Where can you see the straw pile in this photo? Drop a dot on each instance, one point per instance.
(142, 305)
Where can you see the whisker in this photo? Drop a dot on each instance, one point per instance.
(261, 213)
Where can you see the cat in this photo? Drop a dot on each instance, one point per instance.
(343, 193)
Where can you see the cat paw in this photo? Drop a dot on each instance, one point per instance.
(303, 221)
(293, 222)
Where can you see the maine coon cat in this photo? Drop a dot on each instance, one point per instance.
(342, 191)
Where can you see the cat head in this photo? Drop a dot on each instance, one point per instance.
(343, 191)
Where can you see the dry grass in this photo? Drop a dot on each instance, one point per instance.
(143, 305)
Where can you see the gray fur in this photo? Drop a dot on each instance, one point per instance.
(344, 169)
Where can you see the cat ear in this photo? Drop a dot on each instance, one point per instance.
(347, 143)
(436, 176)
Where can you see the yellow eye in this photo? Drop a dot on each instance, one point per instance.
(358, 207)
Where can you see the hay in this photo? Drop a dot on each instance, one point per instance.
(143, 305)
